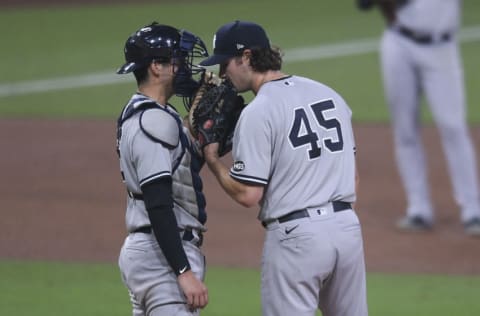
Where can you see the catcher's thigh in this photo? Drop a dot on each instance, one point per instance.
(148, 276)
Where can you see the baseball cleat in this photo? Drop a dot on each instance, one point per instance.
(414, 224)
(472, 227)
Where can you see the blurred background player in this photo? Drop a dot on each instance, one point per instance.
(420, 55)
(160, 261)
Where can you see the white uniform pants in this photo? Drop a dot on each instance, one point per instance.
(152, 284)
(410, 70)
(314, 263)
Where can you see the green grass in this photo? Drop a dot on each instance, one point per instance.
(87, 39)
(423, 295)
(61, 289)
(41, 288)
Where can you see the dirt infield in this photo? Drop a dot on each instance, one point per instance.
(62, 199)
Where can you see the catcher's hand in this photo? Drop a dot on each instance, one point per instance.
(214, 113)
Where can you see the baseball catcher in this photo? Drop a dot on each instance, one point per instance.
(214, 112)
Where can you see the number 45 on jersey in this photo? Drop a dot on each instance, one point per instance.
(310, 137)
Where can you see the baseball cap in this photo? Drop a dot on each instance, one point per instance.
(234, 37)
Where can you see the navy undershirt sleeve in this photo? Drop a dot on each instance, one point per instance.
(158, 199)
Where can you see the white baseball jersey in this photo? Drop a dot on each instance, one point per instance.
(431, 68)
(434, 17)
(296, 138)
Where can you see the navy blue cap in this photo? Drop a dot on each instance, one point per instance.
(234, 37)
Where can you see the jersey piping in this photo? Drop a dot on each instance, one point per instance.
(154, 176)
(245, 178)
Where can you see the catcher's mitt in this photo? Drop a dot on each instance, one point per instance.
(214, 113)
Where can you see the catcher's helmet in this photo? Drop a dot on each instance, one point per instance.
(162, 42)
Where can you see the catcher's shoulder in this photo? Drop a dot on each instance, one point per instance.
(161, 126)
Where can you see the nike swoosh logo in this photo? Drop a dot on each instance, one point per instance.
(289, 230)
(183, 270)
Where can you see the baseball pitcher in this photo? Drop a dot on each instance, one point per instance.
(294, 154)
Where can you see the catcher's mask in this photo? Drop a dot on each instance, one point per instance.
(166, 43)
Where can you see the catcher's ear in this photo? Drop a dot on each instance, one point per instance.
(153, 68)
(156, 67)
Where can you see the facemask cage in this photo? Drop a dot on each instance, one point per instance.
(189, 75)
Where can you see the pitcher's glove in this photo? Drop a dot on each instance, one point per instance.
(214, 113)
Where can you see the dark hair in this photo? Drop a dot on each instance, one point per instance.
(265, 59)
(141, 75)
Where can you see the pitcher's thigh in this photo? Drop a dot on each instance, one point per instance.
(345, 292)
(293, 268)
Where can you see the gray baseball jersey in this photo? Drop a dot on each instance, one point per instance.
(296, 139)
(144, 159)
(430, 16)
(153, 144)
(420, 54)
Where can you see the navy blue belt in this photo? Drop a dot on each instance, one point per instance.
(337, 207)
(421, 38)
(187, 234)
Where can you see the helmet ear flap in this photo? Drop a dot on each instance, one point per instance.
(192, 44)
(189, 75)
